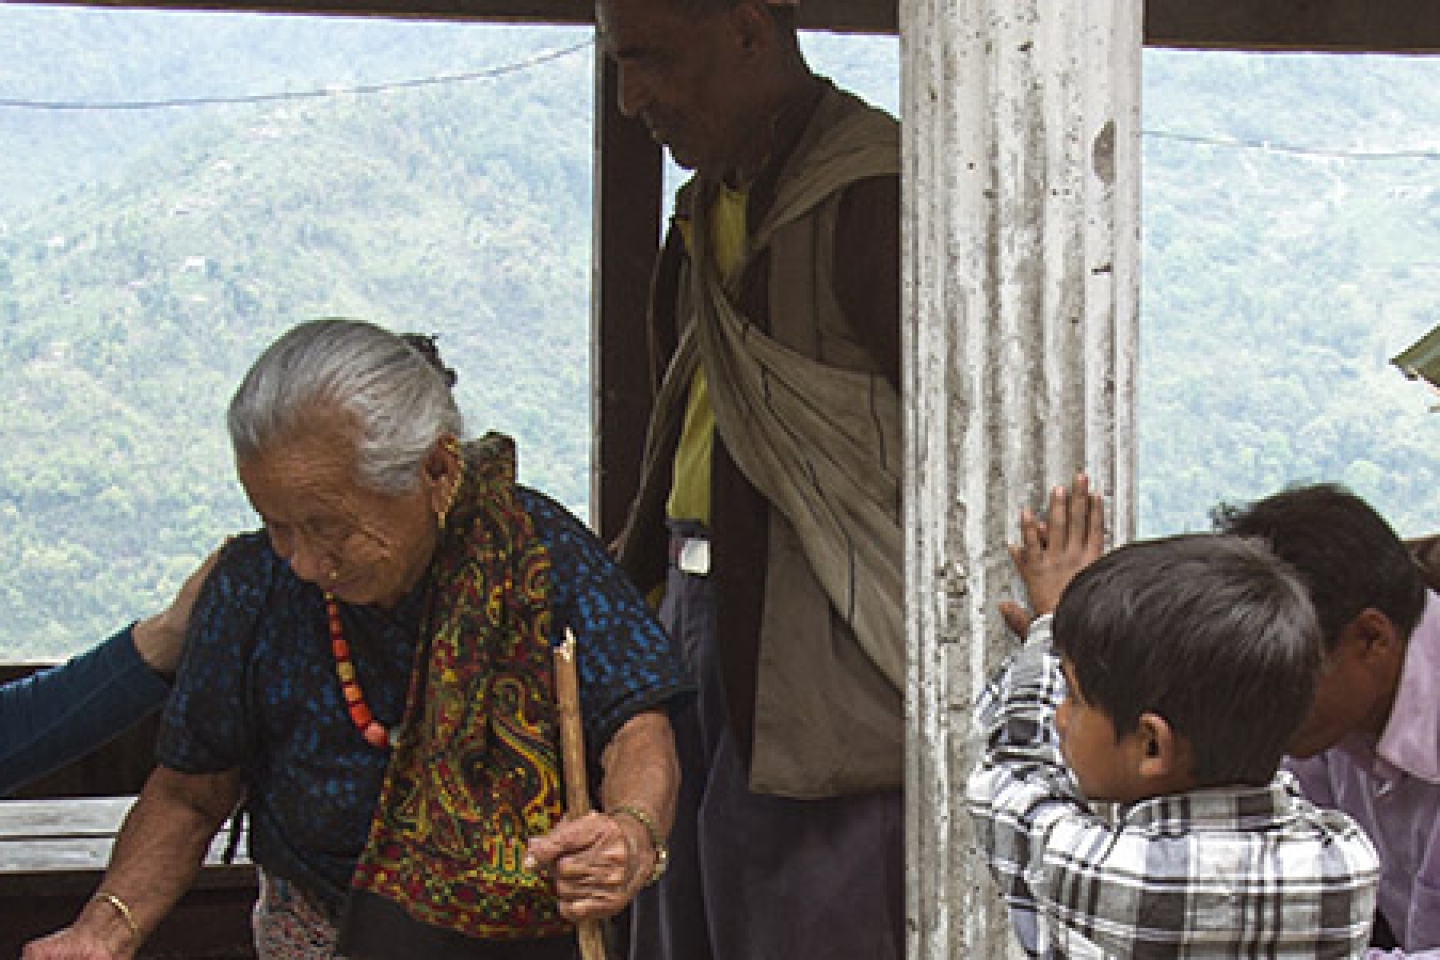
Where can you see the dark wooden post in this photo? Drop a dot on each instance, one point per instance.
(628, 201)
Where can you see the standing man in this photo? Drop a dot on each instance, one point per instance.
(771, 484)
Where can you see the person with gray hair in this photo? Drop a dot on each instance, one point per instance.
(369, 678)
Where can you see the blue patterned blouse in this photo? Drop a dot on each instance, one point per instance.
(257, 690)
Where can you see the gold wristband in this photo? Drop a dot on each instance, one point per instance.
(657, 839)
(121, 909)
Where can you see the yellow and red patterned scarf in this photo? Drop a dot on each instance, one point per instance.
(476, 770)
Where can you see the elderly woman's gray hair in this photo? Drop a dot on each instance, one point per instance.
(400, 399)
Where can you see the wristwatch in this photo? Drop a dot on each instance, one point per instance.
(657, 839)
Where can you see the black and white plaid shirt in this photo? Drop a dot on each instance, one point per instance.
(1221, 872)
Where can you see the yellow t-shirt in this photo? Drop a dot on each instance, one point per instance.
(690, 480)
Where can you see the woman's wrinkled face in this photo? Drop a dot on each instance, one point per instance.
(362, 546)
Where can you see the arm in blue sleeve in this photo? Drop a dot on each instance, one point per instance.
(60, 714)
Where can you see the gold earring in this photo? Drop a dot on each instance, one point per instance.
(450, 497)
(453, 446)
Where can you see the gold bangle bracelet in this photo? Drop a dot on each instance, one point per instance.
(121, 909)
(657, 839)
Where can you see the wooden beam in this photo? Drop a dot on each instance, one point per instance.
(858, 16)
(501, 11)
(1391, 26)
(849, 16)
(1382, 26)
(628, 191)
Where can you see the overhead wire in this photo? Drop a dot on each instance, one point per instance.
(1272, 146)
(517, 66)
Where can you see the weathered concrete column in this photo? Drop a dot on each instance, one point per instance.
(1021, 286)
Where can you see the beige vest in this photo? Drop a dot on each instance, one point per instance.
(816, 429)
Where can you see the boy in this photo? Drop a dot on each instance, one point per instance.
(1178, 671)
(1370, 745)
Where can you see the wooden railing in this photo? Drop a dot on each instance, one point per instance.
(53, 854)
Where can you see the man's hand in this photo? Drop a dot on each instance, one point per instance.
(1051, 553)
(597, 862)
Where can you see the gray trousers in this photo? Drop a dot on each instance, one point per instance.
(757, 877)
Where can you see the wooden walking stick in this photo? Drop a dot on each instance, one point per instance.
(572, 758)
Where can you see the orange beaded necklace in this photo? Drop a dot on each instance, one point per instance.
(371, 729)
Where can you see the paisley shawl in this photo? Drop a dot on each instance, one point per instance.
(475, 769)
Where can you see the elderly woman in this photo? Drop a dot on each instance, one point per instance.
(371, 677)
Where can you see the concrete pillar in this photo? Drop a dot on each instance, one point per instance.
(1021, 286)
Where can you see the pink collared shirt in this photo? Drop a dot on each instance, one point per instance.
(1392, 789)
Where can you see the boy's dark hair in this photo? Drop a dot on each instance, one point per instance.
(1215, 634)
(1344, 551)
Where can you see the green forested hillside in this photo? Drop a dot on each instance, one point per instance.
(131, 302)
(1277, 284)
(147, 255)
